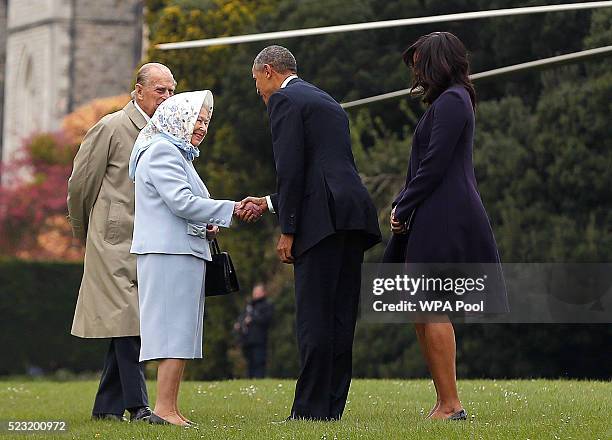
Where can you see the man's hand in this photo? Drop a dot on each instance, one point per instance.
(283, 248)
(252, 208)
(396, 226)
(248, 211)
(212, 231)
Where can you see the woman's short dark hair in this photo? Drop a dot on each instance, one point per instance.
(438, 61)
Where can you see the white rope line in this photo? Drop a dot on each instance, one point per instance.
(382, 24)
(545, 62)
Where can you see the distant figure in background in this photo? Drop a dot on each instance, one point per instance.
(252, 327)
(101, 212)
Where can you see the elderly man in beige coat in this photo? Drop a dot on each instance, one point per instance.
(101, 212)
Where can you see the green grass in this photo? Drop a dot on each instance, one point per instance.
(377, 409)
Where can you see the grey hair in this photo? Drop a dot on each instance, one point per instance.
(143, 77)
(208, 102)
(278, 57)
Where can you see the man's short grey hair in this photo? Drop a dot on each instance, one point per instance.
(277, 57)
(143, 77)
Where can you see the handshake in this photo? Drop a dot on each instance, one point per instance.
(250, 209)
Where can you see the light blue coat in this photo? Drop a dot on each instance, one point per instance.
(173, 205)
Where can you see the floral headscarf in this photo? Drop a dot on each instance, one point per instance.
(173, 121)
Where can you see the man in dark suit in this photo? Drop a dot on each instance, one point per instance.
(252, 328)
(327, 221)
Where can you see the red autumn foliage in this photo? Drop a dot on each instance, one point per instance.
(33, 200)
(33, 211)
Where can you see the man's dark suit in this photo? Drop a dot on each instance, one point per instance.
(322, 201)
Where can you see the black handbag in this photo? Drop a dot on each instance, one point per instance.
(221, 276)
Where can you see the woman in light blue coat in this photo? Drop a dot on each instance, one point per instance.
(174, 219)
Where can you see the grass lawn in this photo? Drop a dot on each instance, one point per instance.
(377, 409)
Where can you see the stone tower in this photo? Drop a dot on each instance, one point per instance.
(60, 54)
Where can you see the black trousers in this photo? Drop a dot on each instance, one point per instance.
(122, 385)
(256, 355)
(327, 284)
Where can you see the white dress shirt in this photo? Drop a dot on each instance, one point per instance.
(147, 117)
(283, 85)
(286, 81)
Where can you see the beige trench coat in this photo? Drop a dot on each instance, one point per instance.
(101, 212)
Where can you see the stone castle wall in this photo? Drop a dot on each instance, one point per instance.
(111, 31)
(3, 17)
(58, 58)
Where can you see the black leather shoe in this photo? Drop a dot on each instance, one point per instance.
(294, 417)
(154, 419)
(142, 414)
(111, 417)
(459, 415)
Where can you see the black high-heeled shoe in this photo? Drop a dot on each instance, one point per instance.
(459, 415)
(141, 414)
(154, 419)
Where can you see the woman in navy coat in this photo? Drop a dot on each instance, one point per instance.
(438, 217)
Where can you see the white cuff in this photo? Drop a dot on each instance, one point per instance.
(270, 207)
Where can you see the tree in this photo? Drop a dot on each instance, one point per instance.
(523, 155)
(33, 224)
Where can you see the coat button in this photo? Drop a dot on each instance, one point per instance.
(222, 222)
(211, 220)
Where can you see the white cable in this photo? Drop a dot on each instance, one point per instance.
(545, 62)
(382, 24)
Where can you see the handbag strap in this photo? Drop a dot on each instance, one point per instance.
(214, 245)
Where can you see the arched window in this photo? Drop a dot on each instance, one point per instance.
(28, 96)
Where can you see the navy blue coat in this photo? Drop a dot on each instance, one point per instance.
(319, 190)
(440, 200)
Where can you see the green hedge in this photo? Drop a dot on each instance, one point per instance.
(37, 305)
(37, 302)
